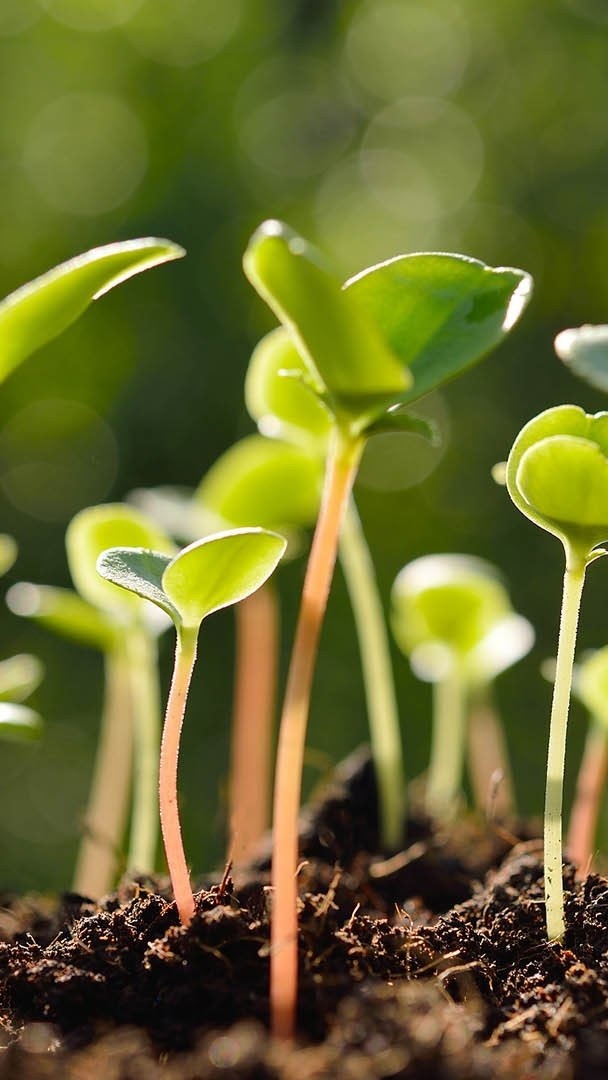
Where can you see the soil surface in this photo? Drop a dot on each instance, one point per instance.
(430, 964)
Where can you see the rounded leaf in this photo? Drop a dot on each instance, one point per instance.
(278, 396)
(557, 475)
(98, 528)
(585, 351)
(65, 613)
(265, 482)
(18, 723)
(347, 355)
(19, 676)
(451, 601)
(220, 570)
(42, 309)
(440, 313)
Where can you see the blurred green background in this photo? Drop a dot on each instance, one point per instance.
(375, 127)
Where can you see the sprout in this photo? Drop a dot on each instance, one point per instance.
(590, 685)
(452, 616)
(204, 577)
(557, 475)
(433, 314)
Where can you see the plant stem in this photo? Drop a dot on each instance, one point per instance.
(107, 808)
(589, 789)
(343, 458)
(574, 579)
(257, 632)
(185, 657)
(143, 841)
(488, 758)
(447, 744)
(378, 680)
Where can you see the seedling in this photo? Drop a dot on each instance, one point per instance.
(585, 351)
(204, 577)
(125, 630)
(590, 685)
(557, 475)
(452, 616)
(433, 314)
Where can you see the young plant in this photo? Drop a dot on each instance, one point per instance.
(125, 629)
(393, 333)
(557, 476)
(591, 687)
(204, 577)
(585, 351)
(452, 616)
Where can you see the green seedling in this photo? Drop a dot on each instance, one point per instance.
(125, 629)
(204, 577)
(590, 685)
(278, 486)
(585, 351)
(557, 475)
(452, 616)
(41, 310)
(393, 333)
(18, 723)
(19, 676)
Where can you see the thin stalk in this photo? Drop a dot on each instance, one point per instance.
(488, 758)
(574, 579)
(589, 790)
(342, 462)
(447, 744)
(379, 685)
(107, 809)
(143, 841)
(257, 634)
(185, 657)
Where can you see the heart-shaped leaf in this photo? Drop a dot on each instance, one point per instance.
(557, 475)
(97, 528)
(66, 613)
(348, 356)
(19, 677)
(42, 309)
(283, 405)
(264, 481)
(209, 574)
(585, 351)
(18, 723)
(440, 313)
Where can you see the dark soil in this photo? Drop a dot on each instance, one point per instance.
(431, 964)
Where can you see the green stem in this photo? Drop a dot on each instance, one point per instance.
(185, 657)
(145, 706)
(107, 808)
(378, 680)
(447, 744)
(574, 579)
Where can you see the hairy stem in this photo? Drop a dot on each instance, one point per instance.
(587, 800)
(107, 809)
(343, 458)
(574, 579)
(488, 758)
(257, 633)
(447, 744)
(185, 657)
(143, 841)
(382, 709)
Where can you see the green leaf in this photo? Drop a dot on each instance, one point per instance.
(19, 677)
(591, 683)
(64, 612)
(440, 313)
(98, 528)
(260, 481)
(400, 421)
(8, 552)
(18, 723)
(557, 475)
(282, 406)
(220, 570)
(140, 572)
(42, 309)
(347, 355)
(585, 351)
